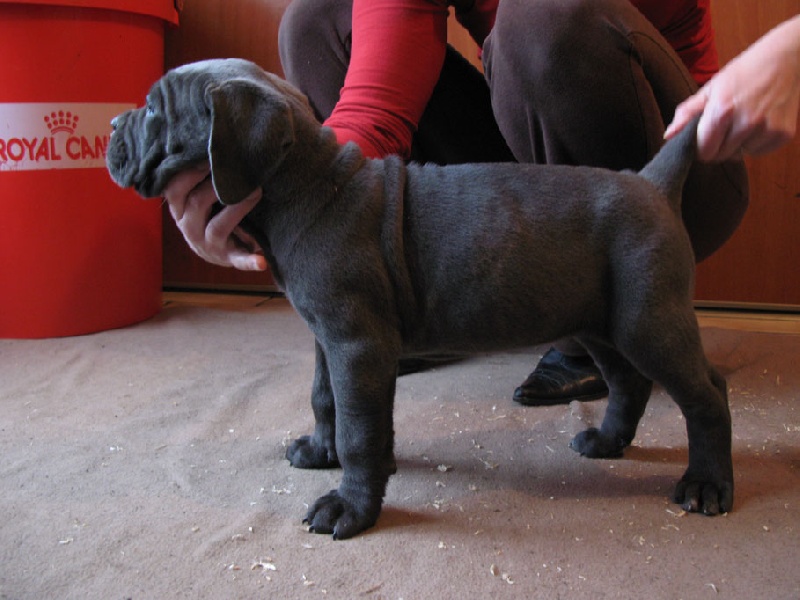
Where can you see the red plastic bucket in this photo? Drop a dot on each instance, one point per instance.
(77, 254)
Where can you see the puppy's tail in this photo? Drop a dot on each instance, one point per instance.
(669, 168)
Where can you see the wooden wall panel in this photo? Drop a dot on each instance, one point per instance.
(759, 264)
(225, 29)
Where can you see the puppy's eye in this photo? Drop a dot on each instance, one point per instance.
(149, 109)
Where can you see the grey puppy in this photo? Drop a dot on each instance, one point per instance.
(384, 259)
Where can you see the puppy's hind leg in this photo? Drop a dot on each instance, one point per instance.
(629, 392)
(678, 363)
(707, 484)
(318, 451)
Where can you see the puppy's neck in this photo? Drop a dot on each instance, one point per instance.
(316, 151)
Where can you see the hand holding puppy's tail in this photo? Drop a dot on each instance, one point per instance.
(669, 168)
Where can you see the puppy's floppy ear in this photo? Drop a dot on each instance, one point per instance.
(251, 131)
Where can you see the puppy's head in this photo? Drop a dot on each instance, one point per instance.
(229, 112)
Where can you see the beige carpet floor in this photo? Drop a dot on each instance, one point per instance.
(147, 462)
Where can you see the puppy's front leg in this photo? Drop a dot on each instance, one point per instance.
(363, 380)
(318, 451)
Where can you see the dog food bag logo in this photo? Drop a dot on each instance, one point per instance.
(37, 136)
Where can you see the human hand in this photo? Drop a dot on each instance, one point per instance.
(219, 239)
(751, 105)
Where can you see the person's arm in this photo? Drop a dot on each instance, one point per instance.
(398, 49)
(751, 105)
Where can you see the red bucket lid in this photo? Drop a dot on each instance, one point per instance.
(163, 9)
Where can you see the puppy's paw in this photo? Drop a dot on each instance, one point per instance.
(308, 453)
(334, 514)
(707, 497)
(593, 444)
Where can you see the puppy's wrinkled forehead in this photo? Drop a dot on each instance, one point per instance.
(215, 71)
(198, 77)
(188, 84)
(223, 67)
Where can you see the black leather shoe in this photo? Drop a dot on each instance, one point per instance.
(560, 379)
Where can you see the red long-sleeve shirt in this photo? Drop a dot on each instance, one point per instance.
(398, 50)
